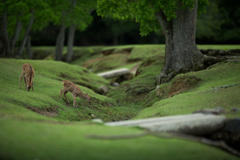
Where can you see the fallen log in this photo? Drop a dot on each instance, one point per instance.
(114, 73)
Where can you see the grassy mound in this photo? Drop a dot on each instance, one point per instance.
(39, 125)
(134, 91)
(60, 140)
(197, 92)
(122, 57)
(45, 98)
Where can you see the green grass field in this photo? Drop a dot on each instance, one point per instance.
(39, 125)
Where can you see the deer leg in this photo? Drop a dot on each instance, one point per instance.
(65, 95)
(62, 90)
(25, 82)
(74, 100)
(20, 81)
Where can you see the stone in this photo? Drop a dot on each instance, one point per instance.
(114, 84)
(102, 90)
(194, 124)
(234, 109)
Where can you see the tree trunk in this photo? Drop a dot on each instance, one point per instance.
(115, 40)
(28, 48)
(26, 35)
(3, 33)
(15, 37)
(181, 52)
(60, 43)
(70, 42)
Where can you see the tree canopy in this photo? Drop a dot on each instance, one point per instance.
(143, 11)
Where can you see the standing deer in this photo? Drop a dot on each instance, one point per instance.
(75, 90)
(28, 73)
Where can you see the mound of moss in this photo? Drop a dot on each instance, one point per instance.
(122, 56)
(45, 99)
(135, 90)
(192, 91)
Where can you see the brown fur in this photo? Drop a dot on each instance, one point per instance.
(75, 90)
(28, 73)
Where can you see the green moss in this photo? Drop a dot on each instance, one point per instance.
(32, 140)
(45, 98)
(144, 82)
(107, 63)
(196, 97)
(145, 51)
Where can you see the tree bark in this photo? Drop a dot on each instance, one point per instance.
(3, 33)
(28, 48)
(60, 43)
(70, 42)
(181, 52)
(26, 35)
(15, 37)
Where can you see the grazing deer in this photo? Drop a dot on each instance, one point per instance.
(28, 73)
(75, 90)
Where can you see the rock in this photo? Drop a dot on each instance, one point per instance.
(114, 84)
(102, 90)
(234, 109)
(233, 125)
(194, 124)
(97, 120)
(216, 111)
(133, 70)
(230, 133)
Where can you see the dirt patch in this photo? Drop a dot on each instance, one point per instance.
(49, 112)
(183, 83)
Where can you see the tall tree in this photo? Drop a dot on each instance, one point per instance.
(18, 14)
(75, 15)
(178, 21)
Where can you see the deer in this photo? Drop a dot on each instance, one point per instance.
(28, 73)
(75, 90)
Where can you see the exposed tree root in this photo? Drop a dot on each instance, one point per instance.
(210, 58)
(216, 88)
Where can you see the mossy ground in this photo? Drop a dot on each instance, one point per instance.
(45, 99)
(25, 134)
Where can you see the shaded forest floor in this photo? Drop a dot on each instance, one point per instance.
(41, 119)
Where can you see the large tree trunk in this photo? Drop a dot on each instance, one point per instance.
(181, 52)
(3, 33)
(70, 42)
(60, 43)
(26, 35)
(15, 37)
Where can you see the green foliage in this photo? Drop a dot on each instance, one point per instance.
(76, 12)
(143, 11)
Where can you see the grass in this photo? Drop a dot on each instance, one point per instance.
(48, 83)
(197, 97)
(135, 89)
(51, 140)
(39, 125)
